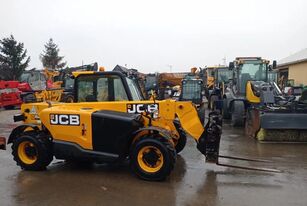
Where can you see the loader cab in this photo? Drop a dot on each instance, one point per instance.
(222, 75)
(35, 79)
(249, 69)
(106, 86)
(210, 77)
(192, 90)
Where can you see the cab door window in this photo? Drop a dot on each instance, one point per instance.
(119, 90)
(102, 89)
(85, 90)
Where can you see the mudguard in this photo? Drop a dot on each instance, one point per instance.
(14, 134)
(165, 133)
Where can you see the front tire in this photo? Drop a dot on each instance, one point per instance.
(152, 158)
(225, 111)
(32, 152)
(238, 114)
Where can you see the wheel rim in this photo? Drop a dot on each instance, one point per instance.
(27, 152)
(150, 159)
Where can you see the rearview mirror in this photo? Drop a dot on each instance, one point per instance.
(231, 65)
(274, 64)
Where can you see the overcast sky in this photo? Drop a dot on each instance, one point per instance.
(152, 35)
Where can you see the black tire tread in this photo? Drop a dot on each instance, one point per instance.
(237, 115)
(45, 144)
(225, 111)
(171, 152)
(182, 141)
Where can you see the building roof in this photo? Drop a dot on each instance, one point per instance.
(298, 57)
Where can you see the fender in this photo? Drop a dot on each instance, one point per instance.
(126, 145)
(165, 133)
(15, 133)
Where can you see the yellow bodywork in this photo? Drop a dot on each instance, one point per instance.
(77, 73)
(210, 82)
(39, 113)
(49, 95)
(250, 96)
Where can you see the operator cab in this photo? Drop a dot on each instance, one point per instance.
(249, 69)
(105, 86)
(192, 90)
(36, 80)
(222, 75)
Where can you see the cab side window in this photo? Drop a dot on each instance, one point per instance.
(101, 88)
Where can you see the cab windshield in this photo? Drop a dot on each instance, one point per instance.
(210, 72)
(251, 71)
(223, 75)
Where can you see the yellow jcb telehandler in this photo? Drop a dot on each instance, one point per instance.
(109, 123)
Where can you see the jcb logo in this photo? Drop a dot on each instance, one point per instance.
(139, 108)
(65, 119)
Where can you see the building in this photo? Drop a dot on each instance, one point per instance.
(294, 67)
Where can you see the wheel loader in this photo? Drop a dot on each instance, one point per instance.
(221, 76)
(254, 100)
(109, 123)
(193, 89)
(248, 73)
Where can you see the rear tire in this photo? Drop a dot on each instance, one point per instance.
(238, 113)
(182, 141)
(152, 158)
(225, 111)
(32, 152)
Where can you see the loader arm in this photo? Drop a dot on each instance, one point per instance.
(189, 119)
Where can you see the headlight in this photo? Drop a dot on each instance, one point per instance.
(155, 114)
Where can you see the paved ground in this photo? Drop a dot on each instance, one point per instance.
(192, 183)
